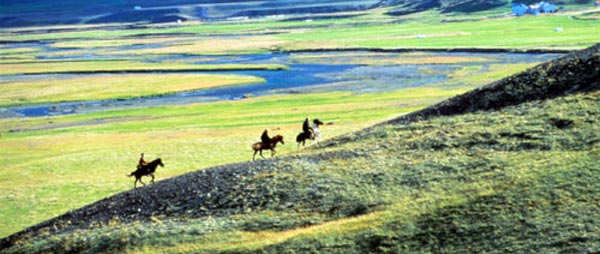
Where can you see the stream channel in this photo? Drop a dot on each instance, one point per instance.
(355, 71)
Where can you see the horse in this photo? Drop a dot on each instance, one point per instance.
(311, 133)
(145, 170)
(259, 146)
(303, 136)
(316, 133)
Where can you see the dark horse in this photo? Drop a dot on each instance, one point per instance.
(303, 136)
(309, 132)
(259, 146)
(145, 170)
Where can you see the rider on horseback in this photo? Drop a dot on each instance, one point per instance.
(265, 140)
(306, 128)
(142, 162)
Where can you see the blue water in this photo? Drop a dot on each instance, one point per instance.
(295, 77)
(329, 71)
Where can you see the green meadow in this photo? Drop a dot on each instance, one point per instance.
(377, 31)
(104, 87)
(124, 66)
(50, 152)
(462, 184)
(55, 164)
(89, 155)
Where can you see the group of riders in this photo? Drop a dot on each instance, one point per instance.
(308, 131)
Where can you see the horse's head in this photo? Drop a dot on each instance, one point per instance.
(159, 161)
(278, 138)
(318, 122)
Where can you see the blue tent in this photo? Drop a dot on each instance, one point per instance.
(534, 9)
(547, 7)
(519, 9)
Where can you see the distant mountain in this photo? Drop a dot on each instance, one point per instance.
(17, 13)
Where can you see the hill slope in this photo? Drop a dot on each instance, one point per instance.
(517, 177)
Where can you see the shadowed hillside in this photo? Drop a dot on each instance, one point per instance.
(519, 164)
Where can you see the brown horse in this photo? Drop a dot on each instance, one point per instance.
(145, 170)
(259, 146)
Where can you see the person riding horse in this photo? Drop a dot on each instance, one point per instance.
(267, 143)
(306, 128)
(265, 139)
(142, 162)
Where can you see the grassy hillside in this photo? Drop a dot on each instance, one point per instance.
(511, 179)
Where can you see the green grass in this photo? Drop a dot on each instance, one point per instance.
(18, 51)
(49, 153)
(47, 161)
(104, 43)
(94, 66)
(104, 87)
(511, 33)
(375, 31)
(505, 181)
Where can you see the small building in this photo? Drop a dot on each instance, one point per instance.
(547, 7)
(519, 9)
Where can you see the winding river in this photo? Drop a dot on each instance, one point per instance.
(356, 71)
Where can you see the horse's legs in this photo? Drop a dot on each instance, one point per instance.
(254, 156)
(135, 182)
(260, 152)
(152, 175)
(141, 181)
(273, 152)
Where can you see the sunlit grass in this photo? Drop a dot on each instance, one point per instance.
(516, 33)
(99, 43)
(507, 32)
(103, 87)
(189, 137)
(208, 46)
(4, 52)
(371, 58)
(475, 190)
(41, 67)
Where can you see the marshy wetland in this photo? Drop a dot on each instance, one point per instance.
(79, 103)
(102, 87)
